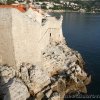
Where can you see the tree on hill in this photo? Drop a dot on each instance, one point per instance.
(7, 1)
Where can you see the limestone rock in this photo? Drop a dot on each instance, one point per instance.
(55, 96)
(16, 90)
(48, 94)
(34, 77)
(25, 74)
(39, 96)
(39, 79)
(60, 73)
(6, 73)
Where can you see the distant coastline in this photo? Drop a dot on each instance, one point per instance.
(69, 11)
(60, 11)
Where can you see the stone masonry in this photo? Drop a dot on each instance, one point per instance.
(23, 36)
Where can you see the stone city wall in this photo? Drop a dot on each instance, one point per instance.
(6, 42)
(25, 35)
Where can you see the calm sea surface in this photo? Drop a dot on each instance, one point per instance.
(82, 33)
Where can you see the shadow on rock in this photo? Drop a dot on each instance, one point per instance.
(4, 87)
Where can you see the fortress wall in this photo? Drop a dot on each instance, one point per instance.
(56, 28)
(6, 43)
(51, 30)
(25, 37)
(45, 37)
(55, 36)
(26, 34)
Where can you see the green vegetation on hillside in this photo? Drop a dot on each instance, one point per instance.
(73, 5)
(6, 1)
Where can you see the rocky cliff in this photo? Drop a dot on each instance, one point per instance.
(60, 73)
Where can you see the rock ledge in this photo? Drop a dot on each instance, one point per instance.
(60, 73)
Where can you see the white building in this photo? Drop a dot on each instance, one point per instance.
(50, 5)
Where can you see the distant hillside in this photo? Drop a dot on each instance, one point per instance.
(6, 1)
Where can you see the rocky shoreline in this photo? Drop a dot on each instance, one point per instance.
(69, 11)
(60, 11)
(61, 72)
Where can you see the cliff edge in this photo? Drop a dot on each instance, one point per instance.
(60, 73)
(60, 70)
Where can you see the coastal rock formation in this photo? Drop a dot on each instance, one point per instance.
(60, 73)
(11, 87)
(35, 61)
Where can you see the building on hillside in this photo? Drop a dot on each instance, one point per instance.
(49, 5)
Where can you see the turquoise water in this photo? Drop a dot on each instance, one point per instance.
(82, 33)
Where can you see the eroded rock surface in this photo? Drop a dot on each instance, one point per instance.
(60, 73)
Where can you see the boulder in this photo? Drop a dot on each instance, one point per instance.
(16, 90)
(6, 73)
